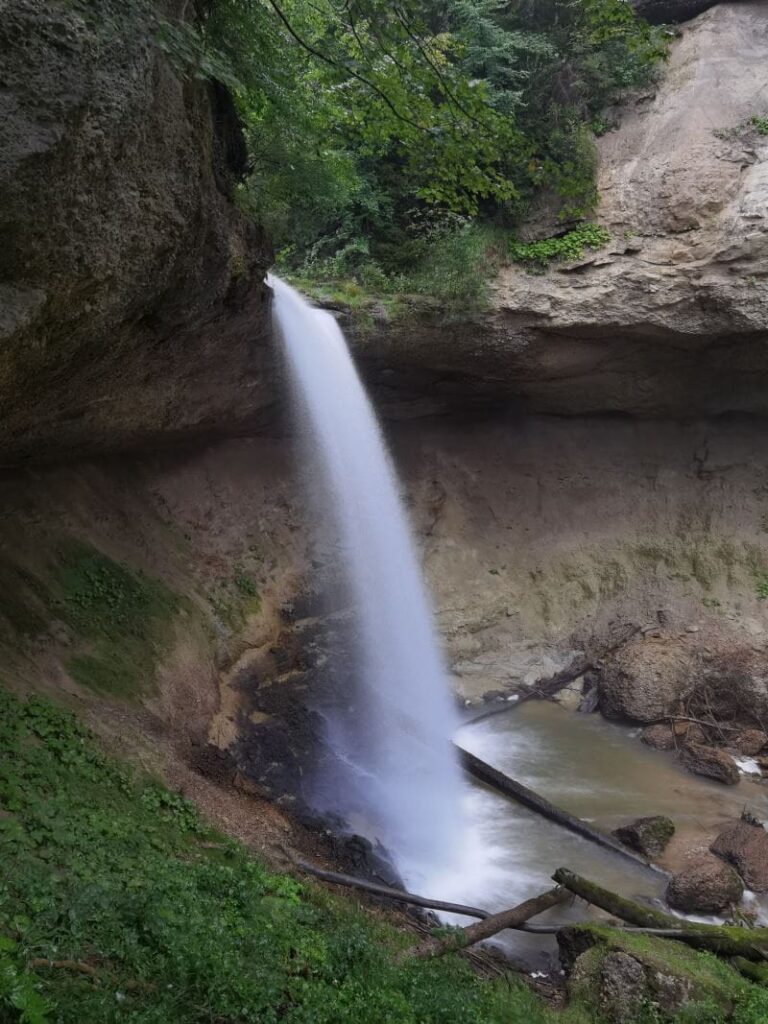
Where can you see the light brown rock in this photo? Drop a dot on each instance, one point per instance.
(710, 762)
(704, 887)
(745, 846)
(647, 677)
(750, 742)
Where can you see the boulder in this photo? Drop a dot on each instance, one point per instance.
(660, 737)
(646, 679)
(745, 846)
(705, 887)
(648, 836)
(750, 742)
(623, 989)
(626, 977)
(710, 762)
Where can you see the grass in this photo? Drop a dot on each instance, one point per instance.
(123, 615)
(450, 279)
(152, 917)
(119, 904)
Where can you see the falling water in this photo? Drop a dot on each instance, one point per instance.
(402, 747)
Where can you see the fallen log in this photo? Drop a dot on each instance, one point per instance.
(507, 786)
(399, 895)
(490, 926)
(548, 686)
(749, 943)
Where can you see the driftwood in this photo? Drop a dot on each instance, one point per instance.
(546, 687)
(523, 795)
(399, 895)
(490, 926)
(749, 943)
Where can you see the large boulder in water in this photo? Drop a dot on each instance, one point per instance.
(648, 836)
(705, 887)
(710, 762)
(745, 846)
(646, 679)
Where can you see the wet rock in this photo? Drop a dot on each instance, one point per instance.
(621, 976)
(710, 762)
(660, 737)
(648, 836)
(687, 733)
(705, 887)
(646, 679)
(745, 846)
(750, 742)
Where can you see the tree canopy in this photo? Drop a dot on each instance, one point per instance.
(375, 126)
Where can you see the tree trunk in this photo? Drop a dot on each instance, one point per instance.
(490, 926)
(750, 943)
(523, 795)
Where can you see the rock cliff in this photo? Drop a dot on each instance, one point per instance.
(126, 273)
(671, 318)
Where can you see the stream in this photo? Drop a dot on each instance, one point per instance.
(599, 771)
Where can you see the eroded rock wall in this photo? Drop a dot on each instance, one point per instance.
(540, 537)
(131, 295)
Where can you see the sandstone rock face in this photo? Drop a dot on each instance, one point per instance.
(648, 836)
(705, 887)
(745, 846)
(710, 762)
(661, 12)
(671, 318)
(131, 290)
(647, 677)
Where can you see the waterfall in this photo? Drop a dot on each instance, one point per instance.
(399, 750)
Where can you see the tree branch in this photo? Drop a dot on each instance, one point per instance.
(490, 926)
(345, 68)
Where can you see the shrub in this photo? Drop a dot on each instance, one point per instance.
(537, 256)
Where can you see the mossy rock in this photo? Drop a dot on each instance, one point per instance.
(641, 977)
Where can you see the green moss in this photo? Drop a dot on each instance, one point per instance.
(235, 598)
(715, 987)
(122, 616)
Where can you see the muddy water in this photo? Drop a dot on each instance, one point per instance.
(599, 771)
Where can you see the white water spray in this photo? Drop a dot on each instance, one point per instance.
(403, 748)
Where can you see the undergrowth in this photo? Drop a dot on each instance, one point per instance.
(117, 903)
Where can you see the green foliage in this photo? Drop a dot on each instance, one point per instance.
(18, 992)
(165, 920)
(760, 124)
(371, 125)
(537, 256)
(761, 585)
(456, 269)
(122, 614)
(175, 923)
